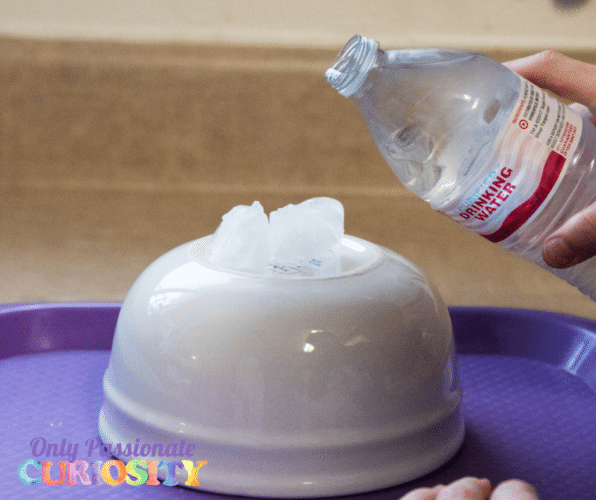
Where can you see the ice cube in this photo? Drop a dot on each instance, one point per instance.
(242, 240)
(292, 237)
(301, 232)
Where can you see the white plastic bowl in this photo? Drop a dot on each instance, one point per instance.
(288, 385)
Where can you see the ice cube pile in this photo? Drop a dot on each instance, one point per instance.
(303, 238)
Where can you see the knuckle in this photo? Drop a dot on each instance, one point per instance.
(553, 61)
(587, 220)
(549, 56)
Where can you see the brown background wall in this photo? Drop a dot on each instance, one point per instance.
(111, 154)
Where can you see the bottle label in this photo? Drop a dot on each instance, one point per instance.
(529, 162)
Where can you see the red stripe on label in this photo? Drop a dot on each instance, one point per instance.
(550, 174)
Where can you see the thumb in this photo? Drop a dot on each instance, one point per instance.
(573, 242)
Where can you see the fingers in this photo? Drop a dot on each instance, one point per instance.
(514, 489)
(467, 488)
(471, 488)
(423, 493)
(583, 111)
(568, 78)
(573, 242)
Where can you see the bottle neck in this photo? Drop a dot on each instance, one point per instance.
(352, 65)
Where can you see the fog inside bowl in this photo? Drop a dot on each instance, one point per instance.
(349, 256)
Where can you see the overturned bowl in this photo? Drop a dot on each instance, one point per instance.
(287, 385)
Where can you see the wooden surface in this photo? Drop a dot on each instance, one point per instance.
(113, 154)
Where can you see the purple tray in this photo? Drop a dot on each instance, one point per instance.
(529, 379)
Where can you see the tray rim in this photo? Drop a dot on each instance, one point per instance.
(564, 340)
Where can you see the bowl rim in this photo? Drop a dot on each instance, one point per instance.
(370, 256)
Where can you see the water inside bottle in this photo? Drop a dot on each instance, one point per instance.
(434, 117)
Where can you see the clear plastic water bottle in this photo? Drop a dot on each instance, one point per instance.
(477, 141)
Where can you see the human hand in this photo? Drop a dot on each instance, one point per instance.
(575, 240)
(471, 488)
(563, 76)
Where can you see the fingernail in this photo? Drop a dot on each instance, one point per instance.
(557, 253)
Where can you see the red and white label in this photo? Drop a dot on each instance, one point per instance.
(528, 164)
